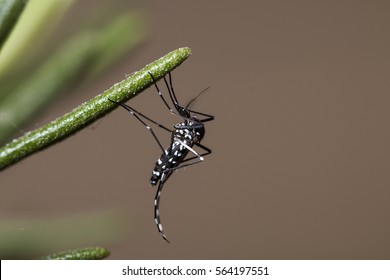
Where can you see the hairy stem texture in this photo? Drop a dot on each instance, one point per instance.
(89, 111)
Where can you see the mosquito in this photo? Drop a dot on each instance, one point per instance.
(185, 136)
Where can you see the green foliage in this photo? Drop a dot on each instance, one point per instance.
(95, 253)
(91, 110)
(10, 10)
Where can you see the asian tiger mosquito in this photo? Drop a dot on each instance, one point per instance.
(185, 135)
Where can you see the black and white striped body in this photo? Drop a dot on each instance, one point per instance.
(184, 137)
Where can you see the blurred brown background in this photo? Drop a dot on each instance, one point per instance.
(301, 154)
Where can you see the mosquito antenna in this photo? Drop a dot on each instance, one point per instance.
(192, 101)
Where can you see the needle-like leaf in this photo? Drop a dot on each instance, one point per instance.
(90, 111)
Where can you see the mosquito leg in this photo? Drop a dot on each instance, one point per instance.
(128, 108)
(156, 209)
(207, 119)
(137, 115)
(181, 111)
(161, 96)
(190, 149)
(171, 91)
(207, 152)
(181, 165)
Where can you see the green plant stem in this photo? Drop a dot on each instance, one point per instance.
(91, 110)
(10, 10)
(95, 253)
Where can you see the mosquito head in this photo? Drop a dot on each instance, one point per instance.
(183, 111)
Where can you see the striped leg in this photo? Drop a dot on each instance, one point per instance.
(157, 219)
